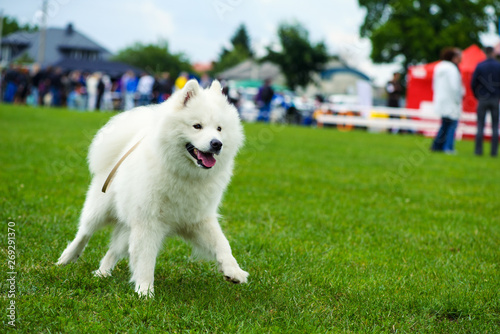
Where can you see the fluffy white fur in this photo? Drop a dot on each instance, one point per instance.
(160, 189)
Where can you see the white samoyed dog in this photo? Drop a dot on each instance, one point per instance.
(169, 165)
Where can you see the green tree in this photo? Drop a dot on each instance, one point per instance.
(154, 58)
(241, 40)
(240, 52)
(298, 58)
(10, 25)
(415, 31)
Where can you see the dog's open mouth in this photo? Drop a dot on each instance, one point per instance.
(204, 159)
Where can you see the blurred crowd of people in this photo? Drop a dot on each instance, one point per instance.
(97, 91)
(85, 91)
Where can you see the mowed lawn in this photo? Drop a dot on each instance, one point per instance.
(341, 232)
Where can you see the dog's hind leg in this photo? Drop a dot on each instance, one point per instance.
(118, 249)
(94, 215)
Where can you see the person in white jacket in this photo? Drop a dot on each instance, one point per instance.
(145, 89)
(91, 83)
(448, 93)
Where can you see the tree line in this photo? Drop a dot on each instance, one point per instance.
(298, 57)
(403, 31)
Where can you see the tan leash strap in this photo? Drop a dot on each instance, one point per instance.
(113, 171)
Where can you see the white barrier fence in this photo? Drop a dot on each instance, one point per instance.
(379, 119)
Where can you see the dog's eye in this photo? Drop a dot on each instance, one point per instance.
(197, 126)
(219, 129)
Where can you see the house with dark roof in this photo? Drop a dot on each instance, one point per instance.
(64, 47)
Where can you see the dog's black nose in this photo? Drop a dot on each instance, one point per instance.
(215, 144)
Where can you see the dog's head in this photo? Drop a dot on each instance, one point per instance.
(204, 125)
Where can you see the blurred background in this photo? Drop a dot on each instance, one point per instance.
(114, 55)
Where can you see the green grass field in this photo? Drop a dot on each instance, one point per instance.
(341, 232)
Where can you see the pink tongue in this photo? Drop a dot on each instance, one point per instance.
(207, 159)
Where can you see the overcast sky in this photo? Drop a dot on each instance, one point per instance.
(200, 28)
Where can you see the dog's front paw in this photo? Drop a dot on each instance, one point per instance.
(68, 256)
(101, 274)
(145, 291)
(235, 275)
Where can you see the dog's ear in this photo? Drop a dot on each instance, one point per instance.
(190, 90)
(216, 86)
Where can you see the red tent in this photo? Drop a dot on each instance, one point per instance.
(419, 83)
(420, 80)
(471, 56)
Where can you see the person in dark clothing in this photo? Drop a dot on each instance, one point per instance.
(10, 85)
(264, 98)
(164, 87)
(22, 82)
(485, 85)
(100, 93)
(36, 79)
(394, 91)
(155, 92)
(56, 87)
(44, 84)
